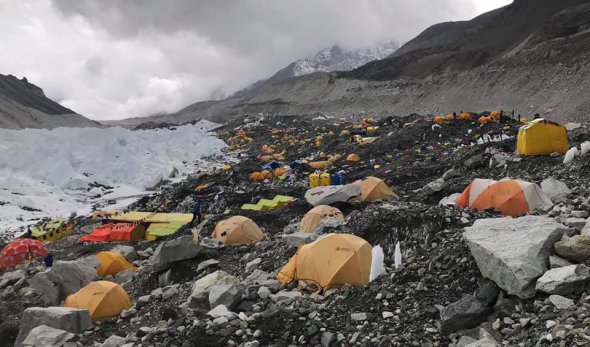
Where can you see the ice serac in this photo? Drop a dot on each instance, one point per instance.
(513, 252)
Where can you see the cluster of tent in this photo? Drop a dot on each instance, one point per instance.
(368, 190)
(137, 226)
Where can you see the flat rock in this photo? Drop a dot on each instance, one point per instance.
(586, 229)
(576, 223)
(565, 280)
(228, 295)
(557, 261)
(173, 251)
(576, 249)
(127, 251)
(252, 265)
(286, 296)
(222, 311)
(466, 313)
(44, 335)
(560, 302)
(299, 239)
(258, 277)
(199, 297)
(513, 252)
(11, 277)
(555, 189)
(114, 341)
(72, 320)
(207, 264)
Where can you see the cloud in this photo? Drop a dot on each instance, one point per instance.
(113, 59)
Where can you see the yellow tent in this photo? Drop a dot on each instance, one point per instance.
(238, 230)
(316, 215)
(542, 137)
(103, 299)
(329, 262)
(112, 263)
(373, 189)
(353, 157)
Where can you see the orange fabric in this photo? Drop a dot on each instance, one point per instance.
(280, 171)
(353, 157)
(320, 165)
(465, 116)
(112, 263)
(102, 299)
(116, 232)
(505, 196)
(439, 120)
(373, 188)
(463, 199)
(256, 176)
(316, 215)
(238, 230)
(449, 117)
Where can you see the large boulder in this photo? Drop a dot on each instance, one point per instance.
(173, 251)
(127, 251)
(72, 320)
(199, 298)
(299, 239)
(556, 190)
(11, 277)
(62, 279)
(44, 335)
(228, 295)
(565, 280)
(586, 228)
(513, 252)
(45, 287)
(576, 249)
(463, 314)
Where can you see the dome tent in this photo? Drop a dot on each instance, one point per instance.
(112, 263)
(237, 230)
(332, 261)
(542, 137)
(314, 217)
(373, 189)
(103, 299)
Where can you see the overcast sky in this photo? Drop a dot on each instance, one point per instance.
(112, 59)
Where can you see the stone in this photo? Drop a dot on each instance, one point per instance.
(555, 189)
(476, 161)
(565, 280)
(169, 292)
(299, 239)
(199, 298)
(222, 311)
(114, 341)
(576, 223)
(173, 251)
(487, 293)
(434, 186)
(207, 264)
(449, 200)
(560, 302)
(580, 214)
(451, 173)
(11, 277)
(286, 296)
(72, 320)
(127, 251)
(557, 261)
(71, 276)
(263, 292)
(387, 314)
(44, 335)
(466, 313)
(465, 340)
(228, 295)
(252, 344)
(487, 342)
(47, 290)
(251, 265)
(326, 339)
(258, 277)
(355, 317)
(128, 313)
(124, 276)
(513, 252)
(575, 248)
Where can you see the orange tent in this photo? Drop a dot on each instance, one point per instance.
(280, 171)
(449, 117)
(103, 299)
(320, 165)
(256, 176)
(112, 263)
(116, 232)
(332, 261)
(317, 215)
(353, 157)
(510, 197)
(496, 115)
(439, 120)
(238, 230)
(484, 120)
(465, 116)
(373, 189)
(267, 175)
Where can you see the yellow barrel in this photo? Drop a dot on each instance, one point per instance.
(314, 180)
(372, 129)
(325, 179)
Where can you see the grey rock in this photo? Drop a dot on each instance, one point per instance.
(465, 340)
(435, 186)
(557, 261)
(466, 313)
(576, 223)
(258, 277)
(565, 280)
(207, 264)
(251, 265)
(555, 189)
(355, 317)
(228, 295)
(513, 252)
(222, 311)
(476, 161)
(487, 342)
(173, 251)
(586, 229)
(451, 173)
(487, 293)
(199, 297)
(560, 302)
(580, 214)
(299, 239)
(449, 200)
(252, 344)
(169, 292)
(114, 341)
(124, 276)
(47, 289)
(128, 313)
(326, 338)
(264, 292)
(11, 277)
(286, 296)
(72, 320)
(127, 251)
(576, 249)
(44, 335)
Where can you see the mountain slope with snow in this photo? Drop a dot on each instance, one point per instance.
(24, 105)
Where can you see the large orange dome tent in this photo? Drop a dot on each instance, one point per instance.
(237, 230)
(103, 299)
(112, 263)
(373, 189)
(314, 217)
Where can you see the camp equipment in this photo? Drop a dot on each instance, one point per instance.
(19, 251)
(510, 197)
(325, 179)
(112, 263)
(314, 180)
(353, 158)
(102, 299)
(53, 230)
(331, 194)
(317, 215)
(237, 230)
(330, 262)
(265, 204)
(439, 120)
(116, 232)
(374, 189)
(542, 137)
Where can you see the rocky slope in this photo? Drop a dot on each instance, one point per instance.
(530, 56)
(24, 105)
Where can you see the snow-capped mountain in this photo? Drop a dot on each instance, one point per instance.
(335, 58)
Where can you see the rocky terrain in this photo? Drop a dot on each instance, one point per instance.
(24, 105)
(466, 278)
(530, 56)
